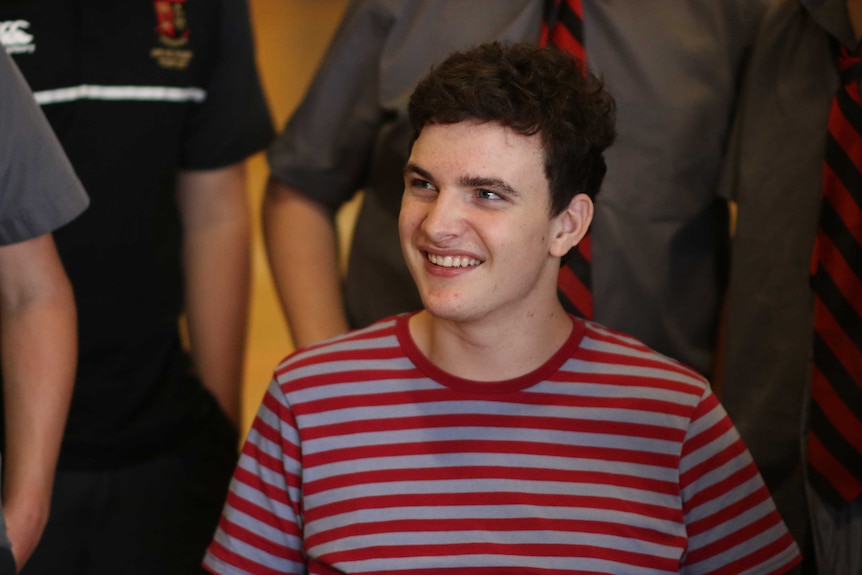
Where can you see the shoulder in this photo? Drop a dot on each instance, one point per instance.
(352, 352)
(335, 374)
(607, 356)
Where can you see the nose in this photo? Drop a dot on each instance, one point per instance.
(444, 217)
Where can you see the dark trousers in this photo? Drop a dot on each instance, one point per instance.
(153, 517)
(7, 562)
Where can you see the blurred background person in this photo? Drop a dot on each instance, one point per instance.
(796, 180)
(157, 104)
(39, 192)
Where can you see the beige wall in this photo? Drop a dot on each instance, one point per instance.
(291, 37)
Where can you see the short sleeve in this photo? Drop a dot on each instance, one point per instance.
(325, 148)
(261, 527)
(731, 520)
(39, 191)
(234, 120)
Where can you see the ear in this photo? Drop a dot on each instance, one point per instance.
(570, 226)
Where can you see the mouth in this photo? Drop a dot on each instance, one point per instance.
(453, 261)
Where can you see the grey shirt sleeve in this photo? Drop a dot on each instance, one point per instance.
(39, 190)
(324, 151)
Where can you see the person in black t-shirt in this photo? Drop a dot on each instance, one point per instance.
(157, 105)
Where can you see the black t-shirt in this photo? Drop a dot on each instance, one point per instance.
(136, 91)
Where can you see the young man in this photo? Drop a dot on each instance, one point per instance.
(492, 432)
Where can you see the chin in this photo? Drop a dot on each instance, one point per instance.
(449, 309)
(441, 306)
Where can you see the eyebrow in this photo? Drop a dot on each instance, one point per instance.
(467, 181)
(495, 183)
(412, 168)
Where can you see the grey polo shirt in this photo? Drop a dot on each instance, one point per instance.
(657, 246)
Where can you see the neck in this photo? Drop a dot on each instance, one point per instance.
(491, 350)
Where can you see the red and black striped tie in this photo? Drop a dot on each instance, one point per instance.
(835, 433)
(563, 27)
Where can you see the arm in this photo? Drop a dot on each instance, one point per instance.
(854, 10)
(302, 245)
(214, 212)
(731, 521)
(266, 479)
(39, 351)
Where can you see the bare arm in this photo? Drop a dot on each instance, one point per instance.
(39, 352)
(302, 245)
(214, 211)
(854, 10)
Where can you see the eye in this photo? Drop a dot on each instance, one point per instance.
(488, 194)
(419, 187)
(420, 184)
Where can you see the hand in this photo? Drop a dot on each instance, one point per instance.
(25, 525)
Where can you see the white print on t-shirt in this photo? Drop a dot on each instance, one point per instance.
(14, 37)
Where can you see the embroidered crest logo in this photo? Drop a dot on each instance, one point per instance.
(15, 38)
(172, 29)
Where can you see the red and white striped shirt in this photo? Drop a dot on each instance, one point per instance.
(609, 458)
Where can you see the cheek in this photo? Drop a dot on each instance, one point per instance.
(409, 220)
(533, 238)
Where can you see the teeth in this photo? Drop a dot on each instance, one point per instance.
(453, 262)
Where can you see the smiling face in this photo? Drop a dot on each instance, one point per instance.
(475, 224)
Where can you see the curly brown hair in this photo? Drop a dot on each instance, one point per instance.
(532, 90)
